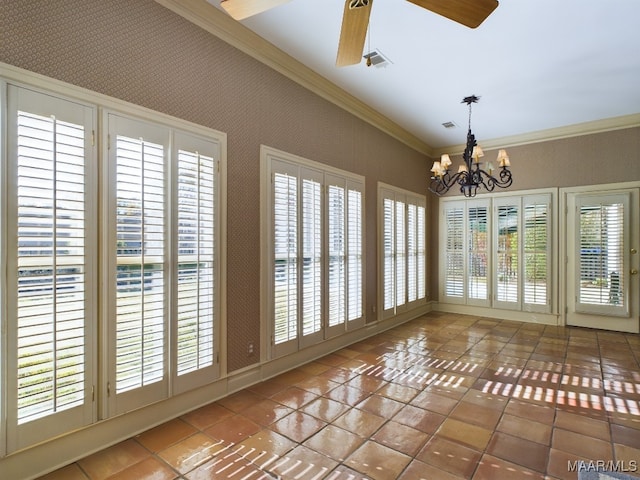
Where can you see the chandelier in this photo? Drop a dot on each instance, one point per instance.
(470, 175)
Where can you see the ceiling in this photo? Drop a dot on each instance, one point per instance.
(536, 64)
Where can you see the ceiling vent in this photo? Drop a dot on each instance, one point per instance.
(375, 58)
(449, 125)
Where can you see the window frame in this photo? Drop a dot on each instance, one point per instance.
(493, 202)
(273, 161)
(399, 200)
(96, 391)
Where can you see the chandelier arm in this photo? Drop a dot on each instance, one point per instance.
(441, 185)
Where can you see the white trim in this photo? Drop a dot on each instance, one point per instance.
(218, 23)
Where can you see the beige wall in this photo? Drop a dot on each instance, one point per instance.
(141, 52)
(596, 159)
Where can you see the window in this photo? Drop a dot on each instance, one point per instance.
(150, 299)
(147, 226)
(50, 268)
(315, 244)
(466, 254)
(497, 252)
(402, 249)
(601, 262)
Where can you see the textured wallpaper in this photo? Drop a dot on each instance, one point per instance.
(138, 51)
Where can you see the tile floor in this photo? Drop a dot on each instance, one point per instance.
(444, 397)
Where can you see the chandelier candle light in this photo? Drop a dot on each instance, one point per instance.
(470, 175)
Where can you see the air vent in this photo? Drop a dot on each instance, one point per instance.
(449, 125)
(377, 59)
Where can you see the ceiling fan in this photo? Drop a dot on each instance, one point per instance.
(355, 19)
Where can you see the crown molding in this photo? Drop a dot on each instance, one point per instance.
(576, 130)
(218, 23)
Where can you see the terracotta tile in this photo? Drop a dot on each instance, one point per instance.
(148, 469)
(298, 426)
(314, 368)
(225, 465)
(112, 460)
(525, 429)
(366, 383)
(70, 472)
(493, 468)
(359, 422)
(238, 401)
(264, 446)
(476, 414)
(266, 412)
(333, 359)
(302, 462)
(418, 470)
(538, 413)
(268, 388)
(291, 377)
(434, 402)
(377, 461)
(342, 472)
(294, 397)
(560, 464)
(339, 374)
(519, 451)
(192, 452)
(584, 425)
(325, 409)
(449, 456)
(401, 393)
(317, 385)
(164, 435)
(382, 406)
(625, 436)
(400, 437)
(233, 430)
(485, 399)
(628, 455)
(347, 395)
(465, 433)
(420, 419)
(206, 416)
(334, 442)
(583, 445)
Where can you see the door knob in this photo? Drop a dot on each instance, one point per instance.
(634, 251)
(634, 271)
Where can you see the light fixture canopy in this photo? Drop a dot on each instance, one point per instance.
(471, 174)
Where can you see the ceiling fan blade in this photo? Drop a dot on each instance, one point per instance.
(470, 13)
(355, 21)
(241, 9)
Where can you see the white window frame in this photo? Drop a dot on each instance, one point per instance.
(394, 274)
(275, 162)
(493, 202)
(46, 103)
(98, 403)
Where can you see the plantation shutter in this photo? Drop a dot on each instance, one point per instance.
(336, 215)
(388, 251)
(50, 266)
(507, 253)
(602, 246)
(196, 258)
(536, 253)
(140, 293)
(354, 242)
(478, 253)
(311, 255)
(401, 251)
(415, 250)
(285, 242)
(454, 253)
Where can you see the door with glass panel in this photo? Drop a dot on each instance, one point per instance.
(602, 260)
